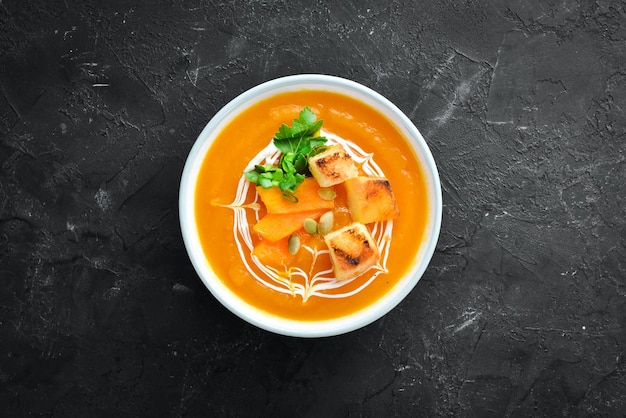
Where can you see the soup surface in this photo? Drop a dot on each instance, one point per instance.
(219, 185)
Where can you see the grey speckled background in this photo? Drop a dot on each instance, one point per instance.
(522, 311)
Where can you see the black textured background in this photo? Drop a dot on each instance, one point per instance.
(522, 311)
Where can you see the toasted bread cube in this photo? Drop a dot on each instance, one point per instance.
(332, 166)
(352, 250)
(371, 199)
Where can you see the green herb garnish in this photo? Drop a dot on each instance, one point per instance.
(297, 144)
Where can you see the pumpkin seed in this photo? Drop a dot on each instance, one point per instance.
(326, 193)
(327, 221)
(310, 226)
(293, 245)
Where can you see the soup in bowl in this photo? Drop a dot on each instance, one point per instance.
(310, 206)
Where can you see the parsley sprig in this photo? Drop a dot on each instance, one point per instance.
(297, 144)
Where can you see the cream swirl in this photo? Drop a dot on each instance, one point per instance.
(295, 280)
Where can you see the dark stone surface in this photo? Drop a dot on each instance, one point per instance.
(522, 311)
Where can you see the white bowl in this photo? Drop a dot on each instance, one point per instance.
(266, 320)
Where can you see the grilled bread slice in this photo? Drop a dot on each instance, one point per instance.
(332, 166)
(370, 199)
(352, 250)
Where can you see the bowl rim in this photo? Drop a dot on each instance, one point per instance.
(275, 323)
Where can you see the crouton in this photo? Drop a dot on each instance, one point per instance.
(371, 199)
(352, 250)
(332, 166)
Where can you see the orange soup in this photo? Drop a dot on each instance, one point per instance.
(221, 175)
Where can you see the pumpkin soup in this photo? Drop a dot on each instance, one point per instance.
(280, 259)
